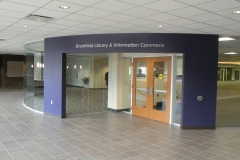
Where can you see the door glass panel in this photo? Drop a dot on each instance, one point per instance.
(177, 107)
(160, 86)
(141, 84)
(127, 78)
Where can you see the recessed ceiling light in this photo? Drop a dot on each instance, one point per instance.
(160, 26)
(24, 26)
(236, 12)
(225, 39)
(64, 7)
(230, 53)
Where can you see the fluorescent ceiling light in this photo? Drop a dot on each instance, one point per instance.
(236, 12)
(64, 7)
(160, 26)
(230, 53)
(24, 26)
(225, 39)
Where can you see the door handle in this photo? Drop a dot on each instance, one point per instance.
(151, 91)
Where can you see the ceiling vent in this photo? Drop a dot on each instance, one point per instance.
(39, 18)
(1, 40)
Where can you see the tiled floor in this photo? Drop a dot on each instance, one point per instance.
(26, 135)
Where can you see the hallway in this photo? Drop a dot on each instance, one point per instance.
(27, 135)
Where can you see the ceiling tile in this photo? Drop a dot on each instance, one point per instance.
(206, 17)
(54, 5)
(228, 13)
(50, 13)
(57, 26)
(82, 2)
(220, 22)
(78, 18)
(193, 2)
(188, 12)
(197, 26)
(181, 22)
(79, 29)
(140, 22)
(37, 3)
(92, 12)
(219, 5)
(139, 12)
(138, 2)
(119, 17)
(103, 22)
(30, 23)
(125, 25)
(163, 17)
(114, 6)
(65, 22)
(165, 5)
(8, 19)
(17, 7)
(12, 14)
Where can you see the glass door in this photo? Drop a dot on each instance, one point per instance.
(151, 88)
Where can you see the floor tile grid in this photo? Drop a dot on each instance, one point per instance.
(223, 135)
(200, 145)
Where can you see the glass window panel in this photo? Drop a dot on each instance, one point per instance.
(141, 84)
(160, 86)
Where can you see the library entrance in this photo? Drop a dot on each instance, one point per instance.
(151, 88)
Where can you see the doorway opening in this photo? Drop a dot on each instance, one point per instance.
(86, 90)
(152, 87)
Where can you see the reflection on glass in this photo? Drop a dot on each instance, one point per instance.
(160, 85)
(127, 75)
(34, 85)
(141, 84)
(177, 107)
(86, 90)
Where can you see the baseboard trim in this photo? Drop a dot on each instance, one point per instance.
(114, 110)
(54, 115)
(196, 127)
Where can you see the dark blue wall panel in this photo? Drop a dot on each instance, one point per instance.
(200, 69)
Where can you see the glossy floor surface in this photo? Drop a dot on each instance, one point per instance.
(26, 135)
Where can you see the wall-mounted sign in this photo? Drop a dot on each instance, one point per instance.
(119, 45)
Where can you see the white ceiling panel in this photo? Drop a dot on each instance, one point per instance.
(125, 26)
(37, 3)
(197, 26)
(139, 12)
(140, 22)
(103, 22)
(222, 22)
(228, 13)
(50, 13)
(119, 17)
(181, 22)
(91, 12)
(82, 2)
(65, 22)
(8, 19)
(206, 17)
(219, 5)
(78, 29)
(188, 12)
(112, 5)
(193, 2)
(78, 18)
(12, 14)
(137, 2)
(56, 26)
(165, 5)
(163, 17)
(54, 5)
(17, 7)
(30, 23)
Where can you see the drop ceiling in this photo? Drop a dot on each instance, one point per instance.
(118, 16)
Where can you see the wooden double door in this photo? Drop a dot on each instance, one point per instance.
(151, 88)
